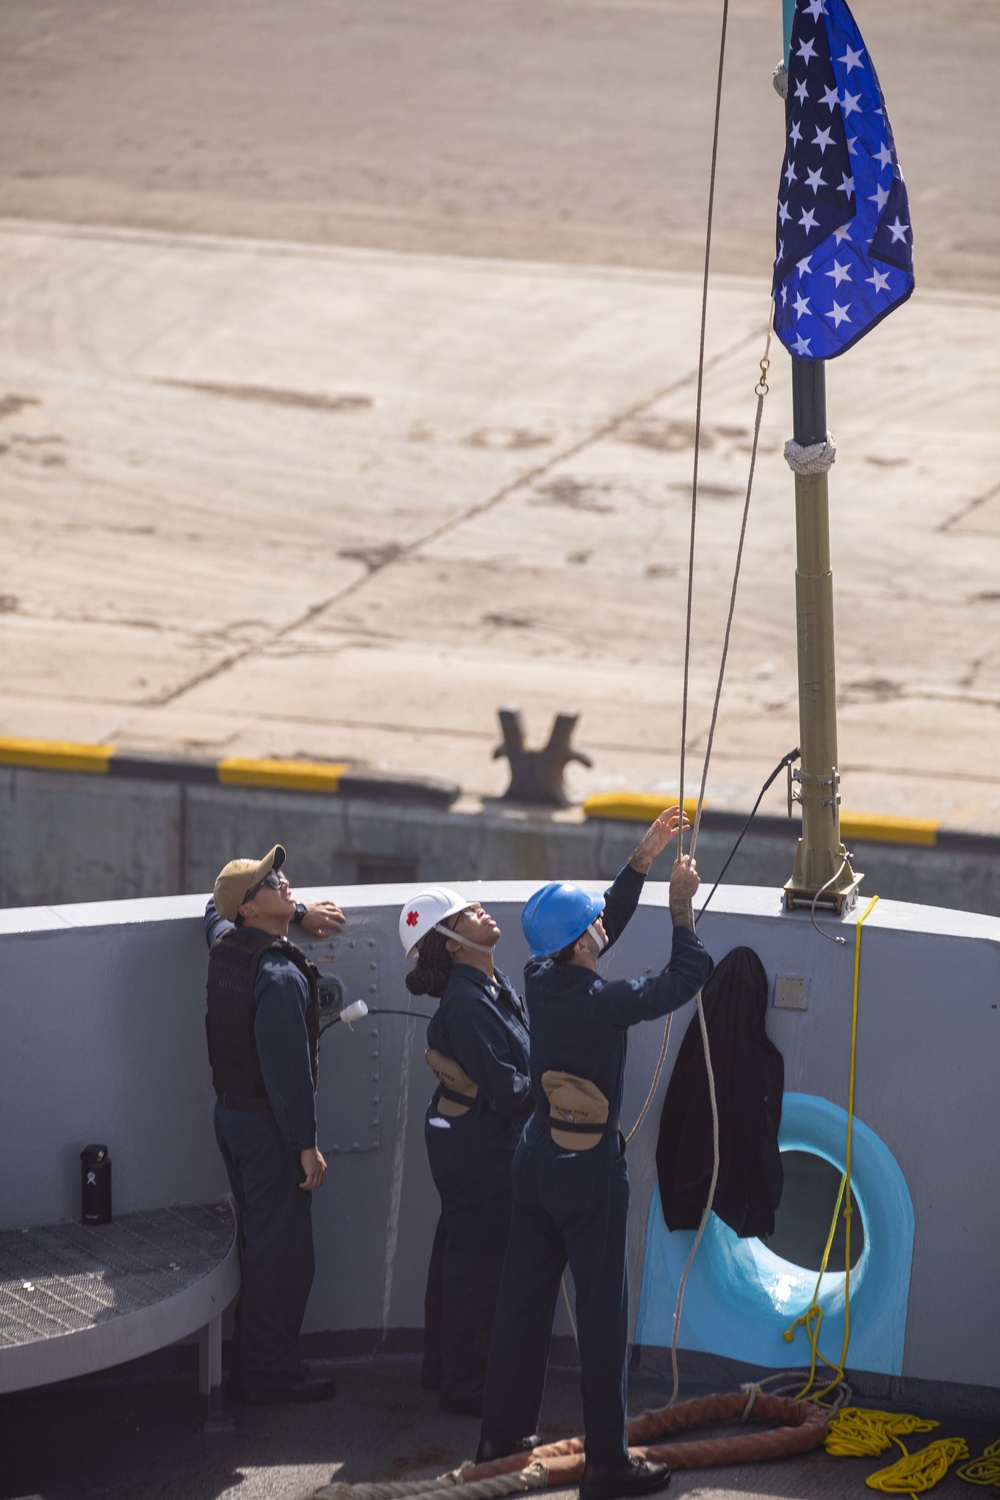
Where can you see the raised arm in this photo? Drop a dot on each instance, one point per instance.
(622, 898)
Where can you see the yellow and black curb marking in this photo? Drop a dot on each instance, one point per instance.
(866, 828)
(339, 778)
(324, 777)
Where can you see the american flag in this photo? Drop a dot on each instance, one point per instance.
(845, 247)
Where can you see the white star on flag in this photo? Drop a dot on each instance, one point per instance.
(878, 279)
(841, 187)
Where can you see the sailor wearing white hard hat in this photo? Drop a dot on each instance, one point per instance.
(477, 1047)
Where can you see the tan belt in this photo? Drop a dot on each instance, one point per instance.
(457, 1088)
(579, 1107)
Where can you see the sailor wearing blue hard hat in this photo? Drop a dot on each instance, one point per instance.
(477, 1047)
(571, 1188)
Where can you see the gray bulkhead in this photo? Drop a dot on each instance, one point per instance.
(103, 1024)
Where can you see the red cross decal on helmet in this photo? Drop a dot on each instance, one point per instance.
(412, 919)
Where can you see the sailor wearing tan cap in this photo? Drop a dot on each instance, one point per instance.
(263, 1045)
(478, 1051)
(571, 1188)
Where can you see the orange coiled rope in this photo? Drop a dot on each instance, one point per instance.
(803, 1427)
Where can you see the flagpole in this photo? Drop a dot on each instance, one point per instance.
(822, 869)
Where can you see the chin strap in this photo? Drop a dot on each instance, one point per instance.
(601, 944)
(447, 932)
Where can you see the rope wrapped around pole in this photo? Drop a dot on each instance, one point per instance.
(811, 458)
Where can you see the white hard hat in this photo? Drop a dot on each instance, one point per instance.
(425, 911)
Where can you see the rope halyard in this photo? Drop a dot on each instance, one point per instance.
(697, 412)
(708, 1205)
(760, 390)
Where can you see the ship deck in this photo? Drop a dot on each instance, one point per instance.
(138, 1433)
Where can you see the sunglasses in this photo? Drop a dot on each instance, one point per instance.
(272, 878)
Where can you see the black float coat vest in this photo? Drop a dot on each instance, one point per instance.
(232, 1009)
(749, 1079)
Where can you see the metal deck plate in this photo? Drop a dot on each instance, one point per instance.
(67, 1278)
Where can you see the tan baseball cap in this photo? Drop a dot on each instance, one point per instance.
(239, 877)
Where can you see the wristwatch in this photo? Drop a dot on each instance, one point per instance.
(300, 913)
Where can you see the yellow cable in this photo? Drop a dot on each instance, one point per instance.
(920, 1471)
(856, 1432)
(983, 1470)
(812, 1318)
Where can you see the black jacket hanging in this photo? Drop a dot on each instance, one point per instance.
(749, 1079)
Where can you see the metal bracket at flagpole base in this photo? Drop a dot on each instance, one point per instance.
(822, 873)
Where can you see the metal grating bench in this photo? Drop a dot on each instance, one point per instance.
(75, 1298)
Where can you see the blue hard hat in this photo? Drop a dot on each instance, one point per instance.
(557, 915)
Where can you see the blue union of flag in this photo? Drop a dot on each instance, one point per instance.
(845, 249)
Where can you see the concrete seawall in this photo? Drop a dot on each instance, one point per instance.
(71, 837)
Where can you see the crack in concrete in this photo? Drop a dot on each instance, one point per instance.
(966, 510)
(409, 550)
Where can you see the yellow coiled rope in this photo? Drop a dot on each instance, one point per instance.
(921, 1471)
(856, 1433)
(983, 1470)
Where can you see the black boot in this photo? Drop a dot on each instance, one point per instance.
(490, 1449)
(635, 1476)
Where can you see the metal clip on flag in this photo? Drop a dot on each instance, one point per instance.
(845, 248)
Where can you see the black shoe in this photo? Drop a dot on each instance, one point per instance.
(490, 1449)
(301, 1387)
(636, 1476)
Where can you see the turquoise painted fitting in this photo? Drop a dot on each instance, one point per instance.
(740, 1297)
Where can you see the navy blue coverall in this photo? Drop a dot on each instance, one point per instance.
(483, 1025)
(261, 1151)
(572, 1206)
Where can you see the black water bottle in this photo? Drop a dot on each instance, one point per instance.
(96, 1166)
